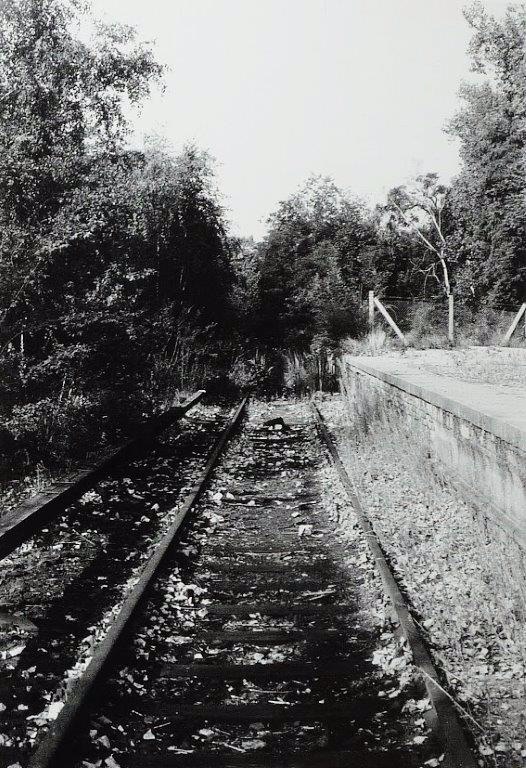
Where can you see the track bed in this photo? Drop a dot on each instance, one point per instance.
(256, 647)
(58, 590)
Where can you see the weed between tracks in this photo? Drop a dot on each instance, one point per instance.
(465, 578)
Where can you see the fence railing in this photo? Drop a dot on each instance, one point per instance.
(398, 312)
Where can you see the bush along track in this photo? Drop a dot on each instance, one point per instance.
(59, 590)
(464, 578)
(19, 522)
(263, 641)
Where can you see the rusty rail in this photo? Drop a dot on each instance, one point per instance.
(457, 753)
(26, 518)
(51, 749)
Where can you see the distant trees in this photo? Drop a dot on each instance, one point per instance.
(312, 265)
(246, 265)
(470, 237)
(176, 215)
(396, 258)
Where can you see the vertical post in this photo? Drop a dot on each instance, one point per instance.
(451, 319)
(371, 310)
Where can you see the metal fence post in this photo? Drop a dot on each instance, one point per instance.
(371, 310)
(451, 319)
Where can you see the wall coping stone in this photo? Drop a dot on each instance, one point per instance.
(498, 410)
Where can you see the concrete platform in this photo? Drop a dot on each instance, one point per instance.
(500, 410)
(476, 431)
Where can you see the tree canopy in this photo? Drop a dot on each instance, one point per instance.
(111, 259)
(120, 282)
(312, 265)
(488, 197)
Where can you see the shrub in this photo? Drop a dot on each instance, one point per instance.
(56, 431)
(428, 324)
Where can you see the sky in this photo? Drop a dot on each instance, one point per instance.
(277, 90)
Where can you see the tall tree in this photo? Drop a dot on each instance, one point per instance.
(316, 234)
(420, 211)
(108, 256)
(488, 198)
(61, 108)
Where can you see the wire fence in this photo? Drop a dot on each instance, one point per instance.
(418, 317)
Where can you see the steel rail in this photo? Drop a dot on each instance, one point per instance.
(26, 518)
(54, 744)
(446, 725)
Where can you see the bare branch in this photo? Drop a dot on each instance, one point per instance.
(415, 229)
(438, 228)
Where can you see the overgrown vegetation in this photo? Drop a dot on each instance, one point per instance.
(115, 270)
(304, 286)
(121, 286)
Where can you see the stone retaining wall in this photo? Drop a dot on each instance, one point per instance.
(484, 460)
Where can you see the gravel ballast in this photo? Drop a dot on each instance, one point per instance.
(266, 553)
(465, 580)
(60, 590)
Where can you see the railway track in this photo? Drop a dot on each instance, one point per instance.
(28, 517)
(248, 636)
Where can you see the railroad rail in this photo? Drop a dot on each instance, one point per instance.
(247, 637)
(27, 518)
(457, 752)
(52, 748)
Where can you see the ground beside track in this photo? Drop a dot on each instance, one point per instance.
(464, 577)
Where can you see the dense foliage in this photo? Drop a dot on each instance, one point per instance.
(313, 264)
(120, 284)
(469, 238)
(113, 263)
(305, 283)
(489, 195)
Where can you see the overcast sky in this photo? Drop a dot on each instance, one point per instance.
(278, 89)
